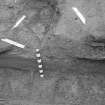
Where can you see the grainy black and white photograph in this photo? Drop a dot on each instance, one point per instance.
(52, 52)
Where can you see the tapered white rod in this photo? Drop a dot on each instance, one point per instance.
(13, 43)
(79, 14)
(19, 21)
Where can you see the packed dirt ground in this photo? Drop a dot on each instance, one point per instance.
(73, 54)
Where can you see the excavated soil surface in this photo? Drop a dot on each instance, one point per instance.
(65, 82)
(74, 71)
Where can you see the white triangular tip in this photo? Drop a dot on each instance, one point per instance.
(79, 14)
(13, 43)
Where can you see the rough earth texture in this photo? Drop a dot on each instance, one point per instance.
(72, 53)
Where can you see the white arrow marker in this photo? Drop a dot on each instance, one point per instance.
(19, 21)
(79, 14)
(13, 43)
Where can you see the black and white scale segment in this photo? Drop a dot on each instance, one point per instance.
(39, 61)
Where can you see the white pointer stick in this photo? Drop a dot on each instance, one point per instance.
(79, 14)
(19, 21)
(13, 43)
